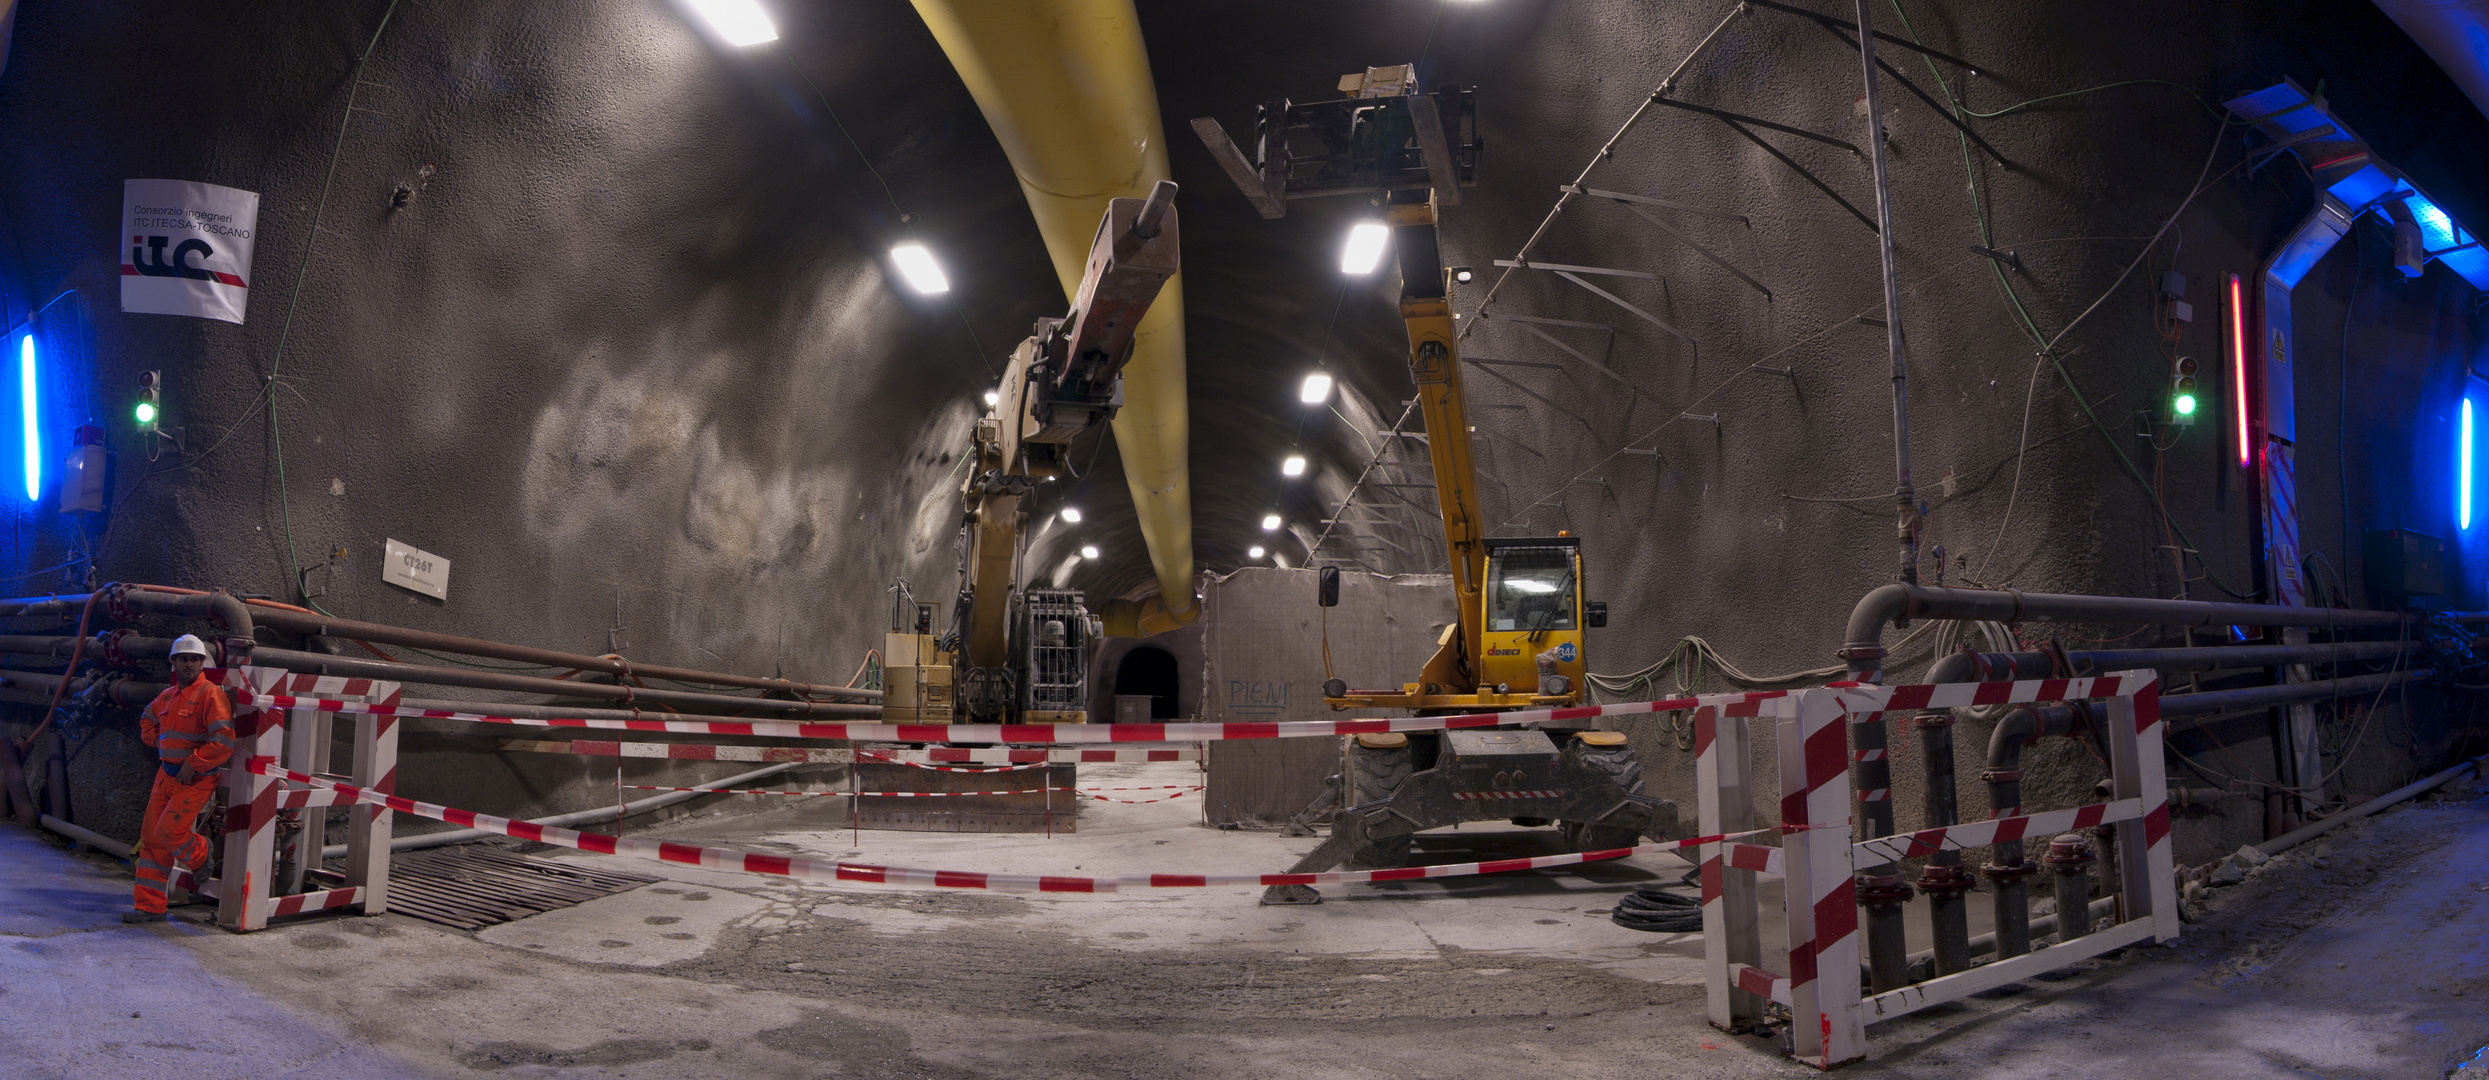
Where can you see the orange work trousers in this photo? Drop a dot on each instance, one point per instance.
(169, 835)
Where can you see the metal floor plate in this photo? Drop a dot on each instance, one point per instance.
(471, 887)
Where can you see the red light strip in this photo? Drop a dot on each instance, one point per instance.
(2238, 362)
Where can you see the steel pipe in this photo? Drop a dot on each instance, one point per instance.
(1901, 602)
(328, 664)
(2007, 869)
(326, 626)
(1922, 964)
(90, 839)
(2478, 766)
(2257, 697)
(2236, 656)
(238, 618)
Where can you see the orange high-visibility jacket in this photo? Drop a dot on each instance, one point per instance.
(190, 725)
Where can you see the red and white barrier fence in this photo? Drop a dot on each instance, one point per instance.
(255, 802)
(1821, 984)
(1038, 734)
(796, 866)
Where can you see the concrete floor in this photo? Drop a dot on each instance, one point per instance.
(2365, 956)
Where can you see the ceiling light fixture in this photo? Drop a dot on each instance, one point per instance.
(1270, 523)
(740, 22)
(1317, 389)
(1294, 466)
(1071, 514)
(1088, 551)
(1365, 247)
(993, 399)
(1255, 551)
(917, 266)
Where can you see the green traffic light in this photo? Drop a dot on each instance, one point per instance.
(2186, 404)
(146, 413)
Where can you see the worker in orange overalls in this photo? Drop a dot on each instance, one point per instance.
(191, 726)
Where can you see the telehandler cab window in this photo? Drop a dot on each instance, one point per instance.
(1530, 588)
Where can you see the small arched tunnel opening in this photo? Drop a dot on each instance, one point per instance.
(1150, 670)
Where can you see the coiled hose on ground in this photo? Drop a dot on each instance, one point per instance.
(1653, 908)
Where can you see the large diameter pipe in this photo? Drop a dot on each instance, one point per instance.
(1904, 500)
(325, 664)
(2478, 766)
(90, 839)
(1901, 601)
(327, 626)
(582, 817)
(2238, 656)
(1066, 86)
(2257, 697)
(221, 608)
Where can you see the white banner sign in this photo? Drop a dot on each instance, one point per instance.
(189, 250)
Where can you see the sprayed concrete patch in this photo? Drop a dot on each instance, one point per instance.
(644, 927)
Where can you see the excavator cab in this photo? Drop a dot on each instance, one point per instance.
(1533, 610)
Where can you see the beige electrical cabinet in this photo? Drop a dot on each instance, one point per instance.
(916, 681)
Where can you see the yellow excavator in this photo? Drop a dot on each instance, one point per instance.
(1016, 653)
(1516, 640)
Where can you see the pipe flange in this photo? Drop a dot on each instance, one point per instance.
(1927, 720)
(2007, 875)
(112, 645)
(117, 603)
(2060, 666)
(1881, 891)
(1946, 880)
(2000, 776)
(2068, 850)
(238, 651)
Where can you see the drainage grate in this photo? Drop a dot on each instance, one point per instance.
(472, 887)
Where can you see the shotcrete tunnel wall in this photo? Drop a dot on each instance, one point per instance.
(630, 358)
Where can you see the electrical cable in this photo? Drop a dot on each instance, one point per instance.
(2048, 344)
(1652, 908)
(285, 329)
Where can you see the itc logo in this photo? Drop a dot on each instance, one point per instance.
(148, 259)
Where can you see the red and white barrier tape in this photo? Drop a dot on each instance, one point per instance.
(1856, 697)
(886, 759)
(937, 758)
(2000, 830)
(1740, 704)
(1088, 792)
(797, 866)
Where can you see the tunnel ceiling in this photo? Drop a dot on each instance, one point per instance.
(632, 357)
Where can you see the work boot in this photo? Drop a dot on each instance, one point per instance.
(142, 916)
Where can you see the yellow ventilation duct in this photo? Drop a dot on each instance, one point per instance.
(1066, 86)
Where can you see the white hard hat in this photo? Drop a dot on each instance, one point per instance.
(189, 644)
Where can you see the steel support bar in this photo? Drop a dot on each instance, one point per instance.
(1827, 20)
(1625, 304)
(1699, 249)
(1577, 354)
(1802, 170)
(1543, 399)
(1741, 118)
(1628, 197)
(1942, 111)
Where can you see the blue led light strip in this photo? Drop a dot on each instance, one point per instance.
(26, 403)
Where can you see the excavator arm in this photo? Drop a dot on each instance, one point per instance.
(1063, 380)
